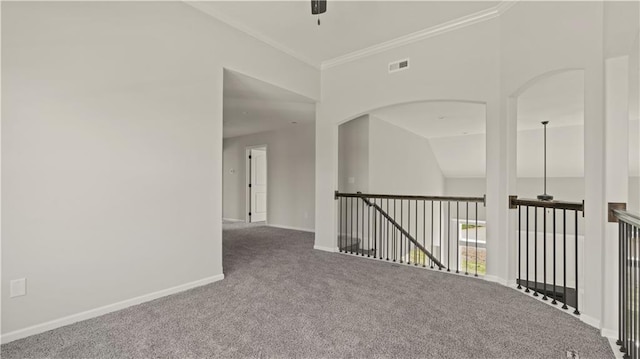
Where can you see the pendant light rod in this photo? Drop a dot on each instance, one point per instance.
(545, 196)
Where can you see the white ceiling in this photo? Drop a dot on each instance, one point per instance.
(253, 106)
(433, 119)
(558, 99)
(346, 27)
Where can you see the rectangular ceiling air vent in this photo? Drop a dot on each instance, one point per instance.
(398, 65)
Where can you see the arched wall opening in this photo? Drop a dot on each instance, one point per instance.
(556, 98)
(422, 148)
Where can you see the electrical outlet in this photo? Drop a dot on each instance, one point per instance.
(18, 287)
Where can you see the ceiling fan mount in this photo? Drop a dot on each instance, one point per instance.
(318, 7)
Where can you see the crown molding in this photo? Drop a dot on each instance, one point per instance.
(505, 5)
(198, 5)
(436, 30)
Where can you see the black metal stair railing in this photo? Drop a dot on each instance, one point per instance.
(548, 250)
(418, 230)
(628, 282)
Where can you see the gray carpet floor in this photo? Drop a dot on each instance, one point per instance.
(282, 299)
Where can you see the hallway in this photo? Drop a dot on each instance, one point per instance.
(281, 298)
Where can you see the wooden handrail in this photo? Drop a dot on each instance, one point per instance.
(627, 217)
(514, 202)
(412, 197)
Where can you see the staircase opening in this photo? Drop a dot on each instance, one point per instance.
(413, 174)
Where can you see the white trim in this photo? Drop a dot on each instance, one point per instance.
(199, 5)
(436, 30)
(233, 220)
(496, 279)
(589, 320)
(505, 5)
(609, 333)
(445, 27)
(96, 312)
(616, 348)
(326, 249)
(291, 228)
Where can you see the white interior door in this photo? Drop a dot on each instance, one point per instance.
(258, 185)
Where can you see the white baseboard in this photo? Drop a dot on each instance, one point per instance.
(609, 333)
(326, 249)
(292, 228)
(96, 312)
(495, 279)
(590, 320)
(616, 349)
(233, 220)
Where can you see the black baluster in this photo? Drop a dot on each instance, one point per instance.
(519, 246)
(576, 311)
(340, 215)
(620, 292)
(369, 231)
(632, 318)
(375, 222)
(432, 231)
(619, 341)
(626, 290)
(401, 224)
(527, 252)
(555, 294)
(544, 253)
(466, 261)
(628, 261)
(635, 290)
(358, 240)
(535, 251)
(351, 226)
(387, 231)
(409, 231)
(395, 237)
(424, 232)
(415, 257)
(379, 244)
(564, 259)
(440, 235)
(362, 228)
(457, 237)
(448, 236)
(476, 239)
(625, 287)
(634, 296)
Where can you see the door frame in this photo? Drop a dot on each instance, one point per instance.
(247, 171)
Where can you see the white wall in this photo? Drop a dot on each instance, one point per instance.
(401, 162)
(538, 39)
(634, 194)
(112, 149)
(459, 65)
(353, 155)
(488, 62)
(565, 152)
(290, 175)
